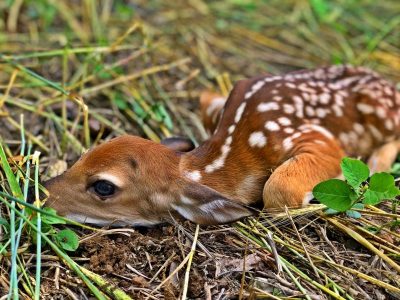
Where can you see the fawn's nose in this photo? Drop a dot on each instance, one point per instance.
(31, 195)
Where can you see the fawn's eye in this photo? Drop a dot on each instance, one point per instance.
(103, 188)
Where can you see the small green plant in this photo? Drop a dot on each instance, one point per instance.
(65, 239)
(357, 190)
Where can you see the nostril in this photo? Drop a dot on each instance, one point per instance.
(31, 195)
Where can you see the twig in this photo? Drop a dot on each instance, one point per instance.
(191, 254)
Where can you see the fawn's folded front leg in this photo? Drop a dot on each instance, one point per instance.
(314, 158)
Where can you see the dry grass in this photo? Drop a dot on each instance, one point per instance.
(83, 71)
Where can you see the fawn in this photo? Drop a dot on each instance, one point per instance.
(274, 139)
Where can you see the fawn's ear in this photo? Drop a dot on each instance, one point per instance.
(203, 205)
(178, 143)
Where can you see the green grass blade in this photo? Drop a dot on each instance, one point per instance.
(39, 233)
(71, 263)
(35, 75)
(16, 191)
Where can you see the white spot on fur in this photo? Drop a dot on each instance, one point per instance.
(381, 112)
(388, 91)
(296, 135)
(258, 85)
(263, 107)
(358, 128)
(215, 165)
(248, 95)
(298, 103)
(337, 110)
(306, 96)
(287, 144)
(324, 98)
(254, 89)
(219, 162)
(193, 175)
(225, 149)
(272, 126)
(314, 99)
(389, 124)
(257, 139)
(339, 99)
(317, 128)
(344, 138)
(239, 112)
(288, 109)
(304, 87)
(310, 111)
(375, 132)
(365, 108)
(353, 137)
(284, 121)
(290, 85)
(288, 130)
(321, 112)
(272, 78)
(231, 129)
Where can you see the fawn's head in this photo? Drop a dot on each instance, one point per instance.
(130, 180)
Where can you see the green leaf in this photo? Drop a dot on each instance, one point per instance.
(67, 239)
(54, 219)
(353, 214)
(45, 228)
(104, 74)
(139, 111)
(381, 186)
(381, 182)
(395, 169)
(120, 101)
(163, 115)
(12, 180)
(321, 8)
(355, 171)
(335, 194)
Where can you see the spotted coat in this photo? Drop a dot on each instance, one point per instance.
(269, 119)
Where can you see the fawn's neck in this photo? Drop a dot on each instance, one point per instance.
(237, 173)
